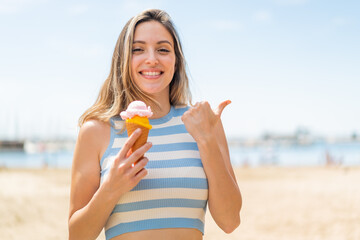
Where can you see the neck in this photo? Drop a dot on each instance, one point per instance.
(162, 111)
(164, 107)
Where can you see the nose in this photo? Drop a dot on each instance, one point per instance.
(151, 58)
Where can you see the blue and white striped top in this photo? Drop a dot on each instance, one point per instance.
(174, 193)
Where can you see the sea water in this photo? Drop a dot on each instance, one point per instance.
(344, 154)
(21, 159)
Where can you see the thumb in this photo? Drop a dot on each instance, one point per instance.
(221, 107)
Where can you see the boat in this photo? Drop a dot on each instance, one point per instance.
(11, 145)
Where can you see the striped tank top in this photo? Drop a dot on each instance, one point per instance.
(174, 193)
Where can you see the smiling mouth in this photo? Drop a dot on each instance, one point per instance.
(152, 74)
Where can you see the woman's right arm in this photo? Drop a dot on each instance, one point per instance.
(90, 203)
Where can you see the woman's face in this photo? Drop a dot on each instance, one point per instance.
(153, 59)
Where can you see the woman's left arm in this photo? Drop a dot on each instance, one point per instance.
(206, 128)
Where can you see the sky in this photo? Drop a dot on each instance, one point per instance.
(284, 64)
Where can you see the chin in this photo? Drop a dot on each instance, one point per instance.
(154, 90)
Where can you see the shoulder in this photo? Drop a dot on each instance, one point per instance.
(93, 129)
(94, 135)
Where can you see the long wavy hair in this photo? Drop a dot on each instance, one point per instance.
(119, 89)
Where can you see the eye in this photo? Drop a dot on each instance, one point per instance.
(137, 50)
(163, 50)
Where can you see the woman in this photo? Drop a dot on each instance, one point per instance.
(165, 194)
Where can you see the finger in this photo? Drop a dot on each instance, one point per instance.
(138, 153)
(129, 143)
(140, 165)
(140, 175)
(218, 111)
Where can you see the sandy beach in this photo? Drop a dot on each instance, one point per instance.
(278, 203)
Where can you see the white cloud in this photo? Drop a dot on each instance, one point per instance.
(226, 25)
(15, 6)
(263, 16)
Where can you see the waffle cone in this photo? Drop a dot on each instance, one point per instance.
(131, 127)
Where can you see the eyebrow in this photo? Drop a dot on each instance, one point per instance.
(159, 42)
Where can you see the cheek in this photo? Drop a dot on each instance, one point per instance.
(170, 63)
(134, 64)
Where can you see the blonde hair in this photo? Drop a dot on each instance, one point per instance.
(119, 89)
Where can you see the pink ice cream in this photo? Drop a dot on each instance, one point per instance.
(136, 108)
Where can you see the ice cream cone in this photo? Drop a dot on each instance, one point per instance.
(131, 127)
(137, 116)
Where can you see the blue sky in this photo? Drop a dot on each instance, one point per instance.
(284, 63)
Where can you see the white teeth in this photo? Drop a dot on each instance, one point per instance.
(151, 73)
